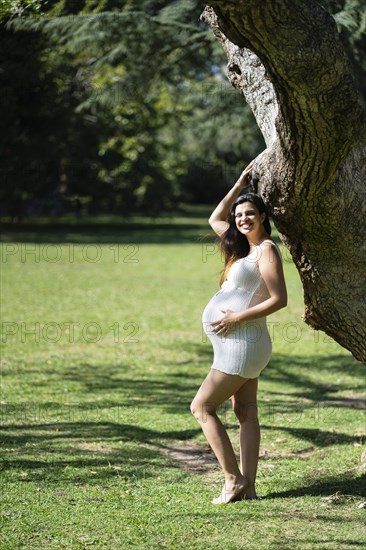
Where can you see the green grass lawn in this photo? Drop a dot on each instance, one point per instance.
(102, 353)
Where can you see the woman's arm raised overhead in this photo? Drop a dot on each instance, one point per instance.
(218, 217)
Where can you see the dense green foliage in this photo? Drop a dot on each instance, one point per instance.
(121, 105)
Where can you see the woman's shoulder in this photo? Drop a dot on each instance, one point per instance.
(268, 243)
(269, 250)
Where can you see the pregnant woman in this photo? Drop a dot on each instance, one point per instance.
(253, 287)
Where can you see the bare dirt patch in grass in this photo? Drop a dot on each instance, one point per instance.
(192, 457)
(199, 459)
(94, 447)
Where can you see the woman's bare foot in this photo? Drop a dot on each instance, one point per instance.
(232, 491)
(250, 493)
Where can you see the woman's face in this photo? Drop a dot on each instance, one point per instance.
(248, 219)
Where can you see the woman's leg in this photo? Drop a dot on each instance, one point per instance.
(245, 407)
(215, 390)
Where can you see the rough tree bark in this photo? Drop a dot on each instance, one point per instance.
(286, 58)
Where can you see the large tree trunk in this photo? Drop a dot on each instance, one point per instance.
(286, 58)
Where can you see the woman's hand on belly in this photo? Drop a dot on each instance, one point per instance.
(227, 323)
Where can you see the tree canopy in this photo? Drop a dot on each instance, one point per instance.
(120, 105)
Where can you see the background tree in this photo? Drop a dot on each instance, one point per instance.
(119, 105)
(132, 109)
(287, 59)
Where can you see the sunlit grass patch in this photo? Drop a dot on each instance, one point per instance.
(101, 357)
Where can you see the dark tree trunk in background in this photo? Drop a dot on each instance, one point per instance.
(286, 59)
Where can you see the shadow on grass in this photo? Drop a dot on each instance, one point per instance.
(101, 387)
(48, 450)
(319, 438)
(171, 231)
(329, 486)
(181, 228)
(296, 374)
(105, 438)
(106, 422)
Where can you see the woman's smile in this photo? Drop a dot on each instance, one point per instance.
(245, 225)
(247, 217)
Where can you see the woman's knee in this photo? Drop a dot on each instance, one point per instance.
(193, 407)
(201, 410)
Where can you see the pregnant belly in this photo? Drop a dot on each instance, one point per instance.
(254, 332)
(236, 299)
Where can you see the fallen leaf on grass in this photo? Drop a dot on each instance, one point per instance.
(337, 498)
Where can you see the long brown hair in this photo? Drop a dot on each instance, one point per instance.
(235, 245)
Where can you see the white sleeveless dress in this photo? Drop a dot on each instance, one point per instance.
(246, 350)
